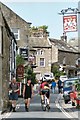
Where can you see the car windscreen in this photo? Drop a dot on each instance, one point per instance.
(47, 75)
(69, 83)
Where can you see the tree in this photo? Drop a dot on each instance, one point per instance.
(44, 27)
(56, 72)
(30, 74)
(19, 60)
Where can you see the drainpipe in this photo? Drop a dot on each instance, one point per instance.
(1, 100)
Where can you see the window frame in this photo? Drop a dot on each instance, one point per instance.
(18, 33)
(42, 62)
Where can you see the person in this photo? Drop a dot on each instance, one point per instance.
(45, 85)
(27, 94)
(53, 85)
(59, 86)
(13, 94)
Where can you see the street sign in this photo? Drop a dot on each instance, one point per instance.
(20, 71)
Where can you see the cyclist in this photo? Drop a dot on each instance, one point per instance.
(43, 87)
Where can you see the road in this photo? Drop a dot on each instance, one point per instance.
(58, 110)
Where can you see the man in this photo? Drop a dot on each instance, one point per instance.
(45, 85)
(13, 96)
(59, 86)
(53, 85)
(27, 94)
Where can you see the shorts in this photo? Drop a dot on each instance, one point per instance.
(13, 96)
(47, 92)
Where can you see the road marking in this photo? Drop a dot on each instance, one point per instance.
(6, 115)
(64, 112)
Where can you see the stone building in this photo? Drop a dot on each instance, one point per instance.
(43, 52)
(40, 49)
(65, 55)
(47, 52)
(19, 27)
(7, 59)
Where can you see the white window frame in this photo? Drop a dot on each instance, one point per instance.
(18, 33)
(40, 52)
(43, 62)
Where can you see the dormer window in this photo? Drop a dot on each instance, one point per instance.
(40, 52)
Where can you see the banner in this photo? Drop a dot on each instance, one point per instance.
(70, 23)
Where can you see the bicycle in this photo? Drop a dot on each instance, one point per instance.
(44, 102)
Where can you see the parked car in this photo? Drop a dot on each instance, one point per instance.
(63, 78)
(48, 76)
(67, 88)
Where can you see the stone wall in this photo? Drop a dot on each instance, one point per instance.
(47, 56)
(15, 21)
(4, 63)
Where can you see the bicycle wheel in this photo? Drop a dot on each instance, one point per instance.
(48, 107)
(43, 107)
(44, 104)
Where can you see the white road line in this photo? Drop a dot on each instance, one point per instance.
(63, 111)
(6, 115)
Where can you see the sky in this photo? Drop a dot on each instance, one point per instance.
(44, 13)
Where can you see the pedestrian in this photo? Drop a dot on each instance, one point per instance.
(59, 97)
(59, 86)
(13, 94)
(28, 93)
(53, 85)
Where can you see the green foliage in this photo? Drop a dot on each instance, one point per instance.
(44, 27)
(19, 60)
(34, 28)
(56, 72)
(30, 74)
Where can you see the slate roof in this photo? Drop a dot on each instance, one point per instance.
(38, 42)
(63, 46)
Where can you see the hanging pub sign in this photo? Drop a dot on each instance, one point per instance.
(24, 53)
(70, 23)
(20, 71)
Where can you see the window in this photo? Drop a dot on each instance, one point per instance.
(79, 62)
(16, 32)
(40, 52)
(42, 62)
(64, 60)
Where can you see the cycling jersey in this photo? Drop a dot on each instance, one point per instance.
(43, 84)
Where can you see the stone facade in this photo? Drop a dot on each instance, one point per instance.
(16, 22)
(65, 55)
(5, 43)
(54, 52)
(41, 49)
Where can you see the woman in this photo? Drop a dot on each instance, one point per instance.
(13, 87)
(27, 94)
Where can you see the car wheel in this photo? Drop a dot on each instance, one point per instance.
(73, 103)
(66, 101)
